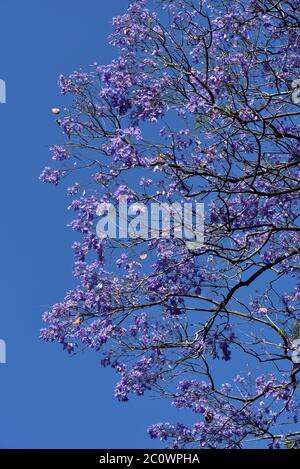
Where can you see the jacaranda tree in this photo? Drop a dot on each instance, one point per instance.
(200, 104)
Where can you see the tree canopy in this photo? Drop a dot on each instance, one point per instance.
(201, 104)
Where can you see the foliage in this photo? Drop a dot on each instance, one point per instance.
(196, 107)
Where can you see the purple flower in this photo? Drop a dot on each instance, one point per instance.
(52, 176)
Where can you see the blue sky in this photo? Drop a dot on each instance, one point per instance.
(47, 398)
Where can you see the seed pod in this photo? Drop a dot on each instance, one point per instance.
(209, 417)
(77, 321)
(143, 256)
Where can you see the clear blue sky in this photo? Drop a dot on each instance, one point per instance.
(47, 398)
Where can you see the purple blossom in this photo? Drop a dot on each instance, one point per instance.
(51, 176)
